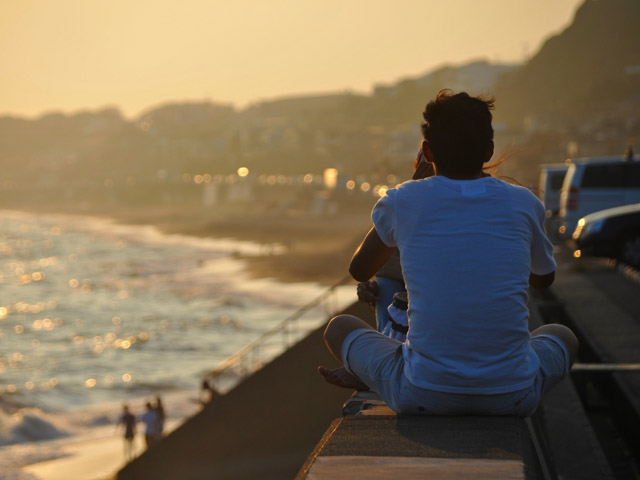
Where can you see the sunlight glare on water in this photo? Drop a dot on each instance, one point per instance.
(92, 311)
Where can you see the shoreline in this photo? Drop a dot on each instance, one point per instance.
(316, 249)
(97, 452)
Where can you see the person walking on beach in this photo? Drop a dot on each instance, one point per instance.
(152, 425)
(128, 421)
(470, 247)
(159, 408)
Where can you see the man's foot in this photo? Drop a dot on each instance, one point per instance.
(341, 377)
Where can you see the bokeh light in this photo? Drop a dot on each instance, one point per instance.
(330, 178)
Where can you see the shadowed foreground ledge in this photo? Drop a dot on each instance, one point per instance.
(264, 428)
(384, 446)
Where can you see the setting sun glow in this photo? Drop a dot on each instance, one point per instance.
(71, 55)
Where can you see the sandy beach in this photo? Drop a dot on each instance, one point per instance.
(89, 460)
(95, 458)
(93, 454)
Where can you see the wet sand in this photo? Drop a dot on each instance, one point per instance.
(93, 459)
(87, 460)
(316, 248)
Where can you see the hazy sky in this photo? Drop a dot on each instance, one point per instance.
(133, 54)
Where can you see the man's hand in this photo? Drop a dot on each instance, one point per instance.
(421, 167)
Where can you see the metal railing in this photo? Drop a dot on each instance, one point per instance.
(256, 354)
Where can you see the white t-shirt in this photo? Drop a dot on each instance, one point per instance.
(152, 421)
(467, 248)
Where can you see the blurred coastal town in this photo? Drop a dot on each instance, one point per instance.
(323, 156)
(578, 96)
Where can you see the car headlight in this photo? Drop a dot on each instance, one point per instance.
(578, 231)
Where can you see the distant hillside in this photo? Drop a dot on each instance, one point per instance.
(407, 94)
(591, 66)
(476, 77)
(402, 103)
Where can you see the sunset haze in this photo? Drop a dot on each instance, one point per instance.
(70, 55)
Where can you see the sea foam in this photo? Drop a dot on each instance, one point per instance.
(28, 425)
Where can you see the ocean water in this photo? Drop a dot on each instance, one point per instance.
(94, 314)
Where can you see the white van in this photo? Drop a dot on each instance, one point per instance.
(551, 180)
(594, 184)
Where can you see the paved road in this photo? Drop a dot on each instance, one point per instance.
(602, 305)
(619, 288)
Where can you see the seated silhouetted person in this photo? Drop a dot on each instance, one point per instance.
(470, 246)
(207, 392)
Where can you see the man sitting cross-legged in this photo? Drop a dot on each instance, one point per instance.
(470, 246)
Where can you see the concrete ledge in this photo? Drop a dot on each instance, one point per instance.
(377, 445)
(393, 468)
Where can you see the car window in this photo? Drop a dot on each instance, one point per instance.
(556, 180)
(633, 175)
(604, 176)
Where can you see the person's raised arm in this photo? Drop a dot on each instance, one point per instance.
(369, 257)
(540, 282)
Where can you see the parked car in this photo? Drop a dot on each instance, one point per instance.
(613, 233)
(594, 184)
(551, 180)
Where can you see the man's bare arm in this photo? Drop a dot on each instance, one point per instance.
(369, 257)
(540, 282)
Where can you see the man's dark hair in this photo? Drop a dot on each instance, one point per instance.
(458, 129)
